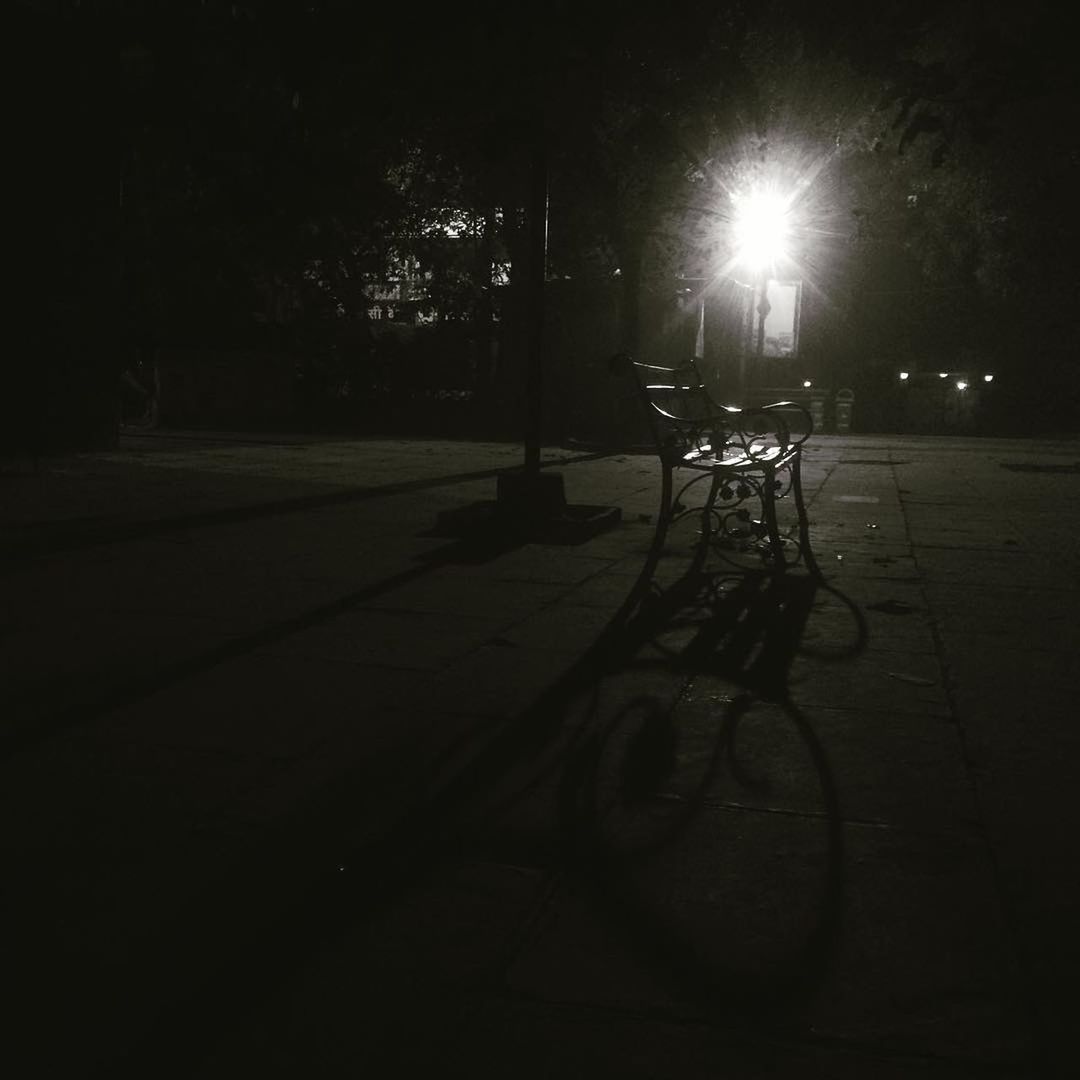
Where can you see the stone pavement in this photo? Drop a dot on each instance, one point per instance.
(293, 787)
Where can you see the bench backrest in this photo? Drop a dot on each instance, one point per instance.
(678, 409)
(684, 418)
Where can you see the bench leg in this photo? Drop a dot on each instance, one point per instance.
(768, 512)
(669, 510)
(805, 549)
(702, 550)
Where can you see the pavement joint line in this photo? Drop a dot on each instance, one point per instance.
(822, 815)
(751, 1032)
(34, 734)
(131, 431)
(1010, 914)
(442, 807)
(529, 929)
(752, 1035)
(145, 686)
(137, 530)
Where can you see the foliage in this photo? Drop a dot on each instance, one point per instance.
(925, 141)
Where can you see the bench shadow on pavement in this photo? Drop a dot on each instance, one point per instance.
(615, 770)
(739, 631)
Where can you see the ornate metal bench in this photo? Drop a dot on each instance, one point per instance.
(739, 464)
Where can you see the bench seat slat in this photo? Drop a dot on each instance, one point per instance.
(736, 458)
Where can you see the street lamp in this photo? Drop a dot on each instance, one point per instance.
(762, 227)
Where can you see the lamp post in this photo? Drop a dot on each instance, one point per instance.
(531, 494)
(763, 308)
(538, 236)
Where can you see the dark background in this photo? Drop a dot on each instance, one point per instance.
(210, 195)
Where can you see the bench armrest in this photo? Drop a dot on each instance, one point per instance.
(755, 432)
(787, 417)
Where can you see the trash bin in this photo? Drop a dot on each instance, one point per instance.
(817, 410)
(845, 402)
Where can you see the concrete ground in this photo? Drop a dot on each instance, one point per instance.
(293, 787)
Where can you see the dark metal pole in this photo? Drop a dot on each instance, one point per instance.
(763, 309)
(538, 223)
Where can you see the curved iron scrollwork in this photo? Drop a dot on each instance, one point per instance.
(743, 463)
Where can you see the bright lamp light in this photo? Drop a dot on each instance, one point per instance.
(903, 375)
(761, 228)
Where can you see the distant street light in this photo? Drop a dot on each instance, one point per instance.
(904, 376)
(988, 378)
(961, 385)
